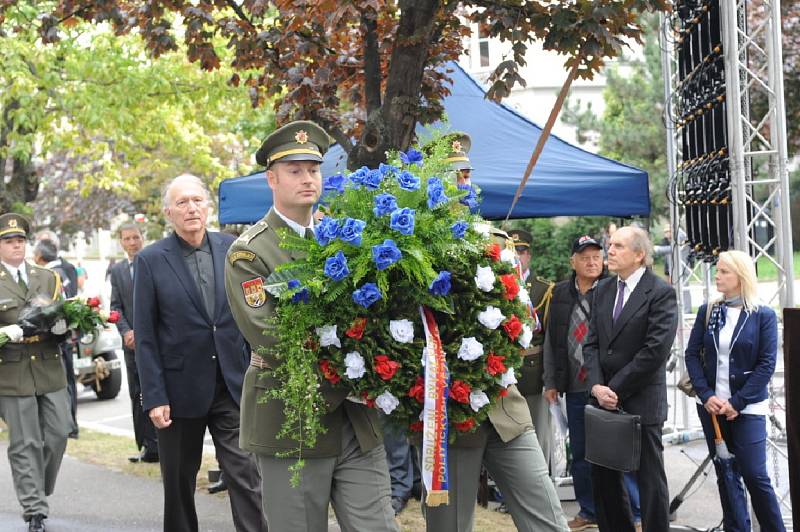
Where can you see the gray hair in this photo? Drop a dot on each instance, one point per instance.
(640, 241)
(47, 234)
(46, 249)
(183, 178)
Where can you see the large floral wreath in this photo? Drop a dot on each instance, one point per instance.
(394, 239)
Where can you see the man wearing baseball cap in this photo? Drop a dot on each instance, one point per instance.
(565, 373)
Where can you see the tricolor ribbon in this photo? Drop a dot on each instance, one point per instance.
(434, 415)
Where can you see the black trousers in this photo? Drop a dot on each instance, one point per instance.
(143, 429)
(612, 506)
(180, 448)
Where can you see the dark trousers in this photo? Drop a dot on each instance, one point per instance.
(401, 460)
(180, 448)
(67, 349)
(581, 469)
(143, 429)
(746, 438)
(611, 498)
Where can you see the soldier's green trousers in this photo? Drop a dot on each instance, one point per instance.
(356, 484)
(38, 426)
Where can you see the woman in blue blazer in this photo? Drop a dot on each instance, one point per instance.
(730, 378)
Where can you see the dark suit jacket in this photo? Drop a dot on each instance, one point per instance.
(122, 295)
(630, 355)
(752, 357)
(178, 345)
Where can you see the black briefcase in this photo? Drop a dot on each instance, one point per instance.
(613, 438)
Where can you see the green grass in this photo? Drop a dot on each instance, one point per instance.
(768, 272)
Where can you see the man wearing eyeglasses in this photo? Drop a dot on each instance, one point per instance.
(191, 359)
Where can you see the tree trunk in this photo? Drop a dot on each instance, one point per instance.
(19, 183)
(392, 125)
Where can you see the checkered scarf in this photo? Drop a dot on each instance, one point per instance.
(578, 329)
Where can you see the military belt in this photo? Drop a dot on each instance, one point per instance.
(532, 351)
(259, 362)
(34, 339)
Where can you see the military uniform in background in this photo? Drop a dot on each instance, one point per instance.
(33, 396)
(531, 384)
(348, 464)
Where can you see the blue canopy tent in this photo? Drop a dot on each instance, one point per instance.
(567, 180)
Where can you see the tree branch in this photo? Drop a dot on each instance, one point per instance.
(238, 10)
(372, 61)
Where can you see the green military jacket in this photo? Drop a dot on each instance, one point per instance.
(532, 381)
(251, 259)
(29, 368)
(510, 416)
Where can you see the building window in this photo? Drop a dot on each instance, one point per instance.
(483, 44)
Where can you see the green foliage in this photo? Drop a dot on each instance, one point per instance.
(631, 128)
(552, 242)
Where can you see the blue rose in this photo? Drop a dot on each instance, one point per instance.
(402, 221)
(384, 204)
(386, 254)
(300, 295)
(441, 285)
(367, 295)
(471, 199)
(387, 168)
(334, 183)
(436, 193)
(412, 156)
(351, 230)
(373, 179)
(408, 181)
(358, 176)
(327, 230)
(459, 229)
(336, 267)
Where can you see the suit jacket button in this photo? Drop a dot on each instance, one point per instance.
(33, 357)
(213, 357)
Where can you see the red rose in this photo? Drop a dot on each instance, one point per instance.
(356, 331)
(328, 371)
(503, 392)
(494, 364)
(513, 327)
(459, 391)
(385, 367)
(366, 398)
(465, 426)
(493, 251)
(113, 316)
(511, 286)
(93, 302)
(418, 390)
(416, 426)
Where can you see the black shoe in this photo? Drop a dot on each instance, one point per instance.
(398, 504)
(36, 524)
(416, 490)
(145, 456)
(218, 486)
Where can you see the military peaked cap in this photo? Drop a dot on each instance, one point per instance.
(13, 224)
(297, 141)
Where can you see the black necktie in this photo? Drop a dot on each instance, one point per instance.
(21, 281)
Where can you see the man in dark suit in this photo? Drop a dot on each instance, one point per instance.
(633, 324)
(191, 359)
(122, 274)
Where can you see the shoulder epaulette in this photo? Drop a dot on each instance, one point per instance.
(253, 231)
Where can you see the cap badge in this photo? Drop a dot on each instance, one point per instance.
(456, 145)
(301, 137)
(12, 222)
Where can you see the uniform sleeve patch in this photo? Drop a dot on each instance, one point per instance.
(254, 294)
(241, 255)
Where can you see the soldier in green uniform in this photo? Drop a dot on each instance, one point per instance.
(505, 444)
(33, 396)
(531, 385)
(347, 467)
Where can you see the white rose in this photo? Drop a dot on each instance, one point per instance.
(327, 336)
(355, 365)
(13, 331)
(508, 378)
(523, 296)
(470, 349)
(386, 402)
(484, 278)
(491, 317)
(526, 336)
(402, 330)
(482, 228)
(478, 399)
(508, 255)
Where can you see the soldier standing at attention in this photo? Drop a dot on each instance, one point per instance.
(531, 385)
(33, 389)
(347, 467)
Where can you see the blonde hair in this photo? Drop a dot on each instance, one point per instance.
(743, 266)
